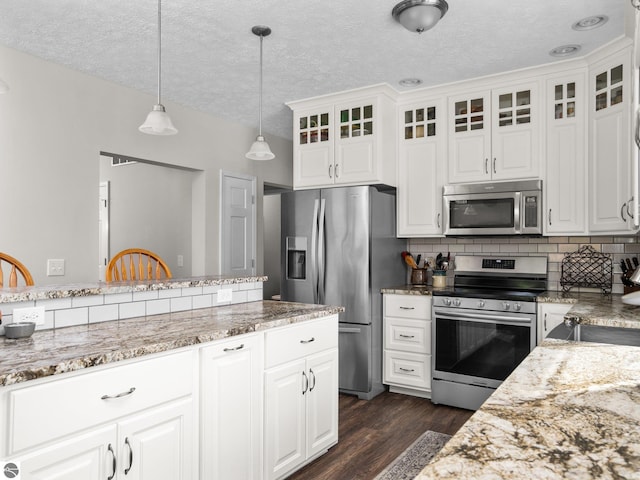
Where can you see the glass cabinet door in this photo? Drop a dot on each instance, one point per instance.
(356, 121)
(419, 123)
(564, 101)
(514, 108)
(469, 115)
(314, 129)
(608, 88)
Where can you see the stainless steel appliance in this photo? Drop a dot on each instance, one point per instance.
(484, 326)
(504, 208)
(339, 247)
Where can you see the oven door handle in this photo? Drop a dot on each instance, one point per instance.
(483, 317)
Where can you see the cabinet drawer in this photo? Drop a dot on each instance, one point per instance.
(407, 306)
(66, 405)
(300, 340)
(407, 369)
(407, 335)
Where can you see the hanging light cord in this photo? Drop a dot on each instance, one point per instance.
(260, 106)
(159, 47)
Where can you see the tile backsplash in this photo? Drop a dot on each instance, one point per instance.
(554, 248)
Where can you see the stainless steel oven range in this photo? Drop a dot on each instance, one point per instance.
(484, 326)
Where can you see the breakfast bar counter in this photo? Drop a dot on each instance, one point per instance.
(56, 351)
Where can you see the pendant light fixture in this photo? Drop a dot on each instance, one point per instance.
(419, 15)
(260, 148)
(158, 121)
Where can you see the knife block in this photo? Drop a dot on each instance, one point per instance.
(630, 289)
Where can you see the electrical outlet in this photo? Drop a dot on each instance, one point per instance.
(180, 261)
(55, 267)
(31, 314)
(224, 295)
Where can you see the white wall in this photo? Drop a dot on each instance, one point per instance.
(54, 122)
(271, 242)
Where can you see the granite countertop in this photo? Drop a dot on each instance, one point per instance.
(570, 410)
(408, 290)
(51, 352)
(22, 294)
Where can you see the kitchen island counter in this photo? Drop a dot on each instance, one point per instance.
(570, 410)
(52, 352)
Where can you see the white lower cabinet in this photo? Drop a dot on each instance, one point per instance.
(407, 344)
(301, 395)
(123, 422)
(550, 315)
(231, 409)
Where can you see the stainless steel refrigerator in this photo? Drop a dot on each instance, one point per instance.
(339, 247)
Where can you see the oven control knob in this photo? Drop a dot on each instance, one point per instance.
(457, 302)
(446, 301)
(481, 304)
(517, 307)
(506, 305)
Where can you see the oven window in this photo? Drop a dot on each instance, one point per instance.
(485, 213)
(485, 350)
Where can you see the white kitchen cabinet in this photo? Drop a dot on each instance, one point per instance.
(345, 139)
(231, 408)
(301, 395)
(550, 315)
(565, 199)
(407, 344)
(421, 168)
(494, 134)
(614, 199)
(121, 422)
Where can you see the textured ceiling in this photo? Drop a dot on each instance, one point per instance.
(210, 58)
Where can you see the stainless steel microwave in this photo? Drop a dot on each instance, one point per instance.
(500, 208)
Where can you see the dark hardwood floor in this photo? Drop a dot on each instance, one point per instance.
(373, 433)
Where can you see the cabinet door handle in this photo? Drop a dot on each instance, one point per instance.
(407, 336)
(337, 172)
(313, 377)
(126, 442)
(629, 214)
(239, 347)
(407, 369)
(407, 308)
(545, 322)
(624, 205)
(549, 216)
(114, 463)
(486, 166)
(438, 220)
(494, 165)
(330, 167)
(306, 383)
(119, 395)
(312, 339)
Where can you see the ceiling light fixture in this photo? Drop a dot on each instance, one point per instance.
(410, 82)
(260, 148)
(589, 23)
(565, 50)
(419, 15)
(158, 121)
(4, 88)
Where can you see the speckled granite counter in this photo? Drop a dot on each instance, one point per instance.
(408, 290)
(570, 410)
(50, 352)
(22, 294)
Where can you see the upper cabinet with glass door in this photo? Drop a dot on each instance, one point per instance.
(493, 135)
(345, 139)
(613, 169)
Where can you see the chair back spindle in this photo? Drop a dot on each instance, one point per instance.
(136, 264)
(16, 268)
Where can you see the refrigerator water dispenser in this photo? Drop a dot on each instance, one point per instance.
(296, 258)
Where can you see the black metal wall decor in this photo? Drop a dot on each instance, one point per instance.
(587, 268)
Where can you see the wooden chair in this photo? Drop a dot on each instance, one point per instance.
(136, 264)
(15, 268)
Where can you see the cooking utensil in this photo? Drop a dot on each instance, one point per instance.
(629, 265)
(408, 259)
(418, 259)
(636, 262)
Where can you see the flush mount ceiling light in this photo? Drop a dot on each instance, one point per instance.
(410, 82)
(565, 50)
(260, 148)
(158, 121)
(590, 23)
(419, 15)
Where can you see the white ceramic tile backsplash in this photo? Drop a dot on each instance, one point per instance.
(554, 248)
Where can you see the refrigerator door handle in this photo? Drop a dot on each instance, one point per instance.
(314, 251)
(321, 262)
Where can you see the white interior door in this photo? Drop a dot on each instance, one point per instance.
(103, 230)
(238, 229)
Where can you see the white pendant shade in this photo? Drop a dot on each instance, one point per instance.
(4, 88)
(158, 122)
(260, 150)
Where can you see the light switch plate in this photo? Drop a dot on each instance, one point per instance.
(224, 295)
(55, 267)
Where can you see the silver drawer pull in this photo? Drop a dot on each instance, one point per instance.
(407, 308)
(407, 369)
(114, 464)
(128, 469)
(122, 394)
(312, 339)
(407, 336)
(240, 347)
